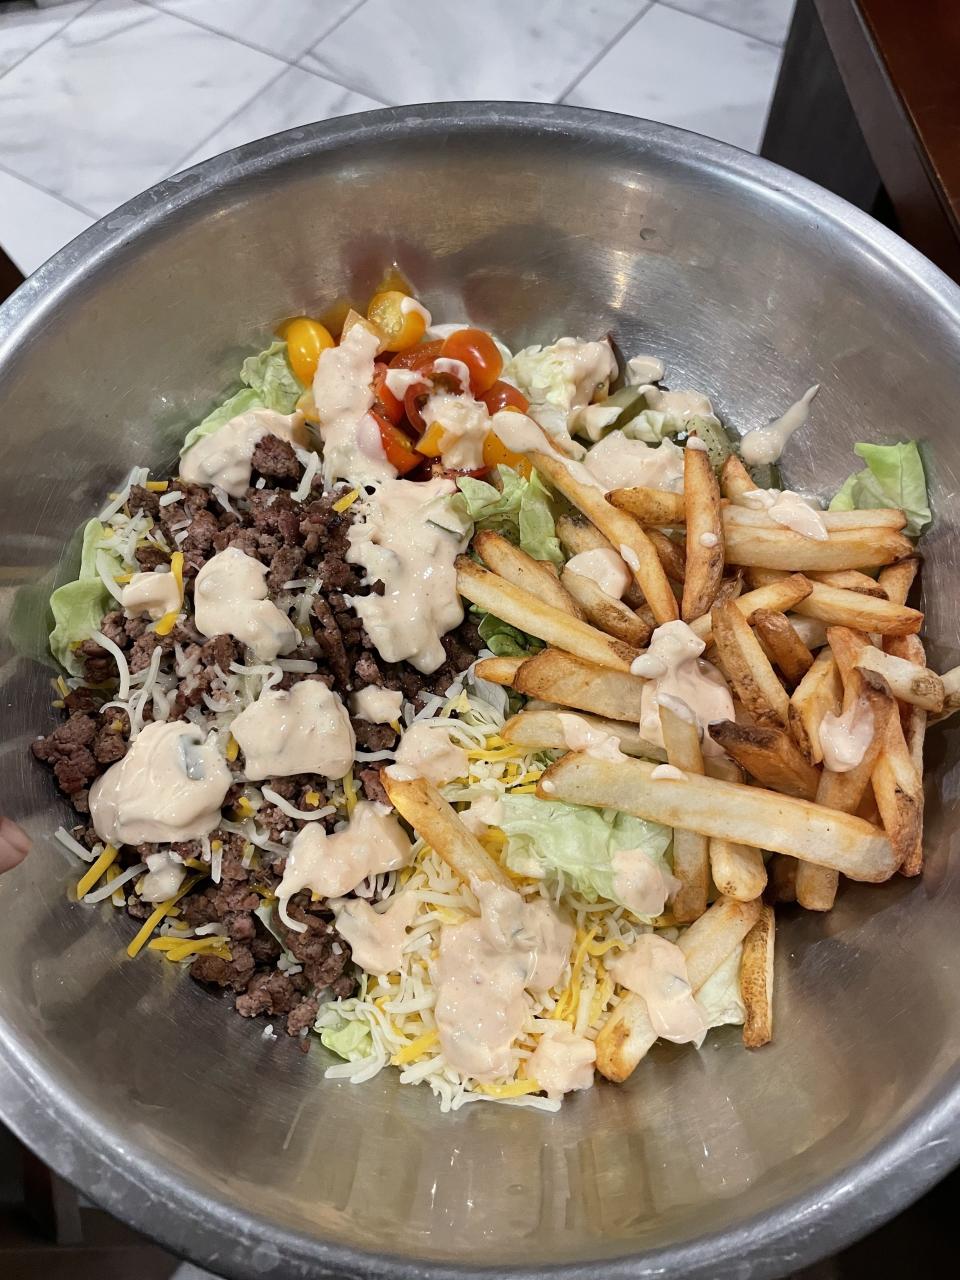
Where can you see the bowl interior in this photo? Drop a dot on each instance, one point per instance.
(151, 1094)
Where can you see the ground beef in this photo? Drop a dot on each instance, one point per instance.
(113, 626)
(109, 745)
(201, 532)
(373, 737)
(275, 458)
(245, 540)
(322, 952)
(142, 649)
(234, 974)
(372, 786)
(330, 640)
(284, 567)
(220, 651)
(143, 501)
(149, 557)
(271, 993)
(67, 749)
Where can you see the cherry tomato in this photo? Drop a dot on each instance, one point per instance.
(417, 357)
(479, 353)
(496, 452)
(386, 401)
(400, 319)
(431, 442)
(413, 401)
(305, 340)
(397, 446)
(503, 395)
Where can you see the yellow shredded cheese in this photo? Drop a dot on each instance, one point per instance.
(347, 500)
(243, 808)
(157, 486)
(122, 577)
(568, 1001)
(176, 949)
(195, 864)
(169, 620)
(515, 1089)
(233, 748)
(63, 686)
(90, 878)
(312, 797)
(117, 897)
(350, 792)
(151, 922)
(416, 1048)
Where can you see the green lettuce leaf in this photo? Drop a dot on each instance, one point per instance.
(269, 384)
(270, 375)
(521, 511)
(506, 641)
(78, 607)
(548, 835)
(893, 477)
(346, 1038)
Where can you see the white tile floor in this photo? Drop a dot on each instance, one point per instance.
(101, 98)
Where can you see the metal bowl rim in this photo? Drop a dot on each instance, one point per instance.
(798, 1232)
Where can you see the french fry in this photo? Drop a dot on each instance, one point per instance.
(783, 593)
(691, 863)
(756, 980)
(650, 506)
(783, 643)
(422, 805)
(623, 532)
(627, 1035)
(605, 611)
(783, 877)
(554, 626)
(853, 580)
(704, 561)
(730, 588)
(780, 548)
(737, 870)
(951, 693)
(838, 607)
(543, 731)
(897, 579)
(914, 724)
(811, 631)
(735, 479)
(770, 755)
(833, 521)
(747, 667)
(577, 536)
(535, 576)
(908, 681)
(499, 670)
(554, 676)
(898, 788)
(817, 693)
(748, 815)
(671, 554)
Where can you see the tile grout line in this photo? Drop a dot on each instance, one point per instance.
(52, 36)
(55, 195)
(156, 7)
(564, 93)
(724, 26)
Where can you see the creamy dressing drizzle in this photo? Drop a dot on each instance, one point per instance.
(343, 393)
(667, 773)
(619, 463)
(642, 370)
(579, 735)
(482, 970)
(465, 423)
(376, 705)
(485, 811)
(304, 731)
(844, 739)
(168, 787)
(150, 595)
(399, 381)
(376, 938)
(428, 749)
(331, 866)
(790, 510)
(229, 598)
(395, 538)
(643, 884)
(165, 874)
(561, 378)
(657, 971)
(682, 405)
(764, 445)
(453, 369)
(604, 567)
(674, 669)
(223, 458)
(562, 1061)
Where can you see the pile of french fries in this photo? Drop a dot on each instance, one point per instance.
(798, 627)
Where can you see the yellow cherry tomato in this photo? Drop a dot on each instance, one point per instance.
(400, 319)
(496, 452)
(431, 442)
(306, 338)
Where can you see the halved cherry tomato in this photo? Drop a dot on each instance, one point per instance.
(391, 407)
(305, 340)
(417, 357)
(496, 452)
(431, 442)
(413, 402)
(397, 446)
(503, 395)
(400, 319)
(479, 353)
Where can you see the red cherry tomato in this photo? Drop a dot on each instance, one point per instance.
(397, 446)
(386, 401)
(479, 353)
(503, 395)
(417, 357)
(413, 401)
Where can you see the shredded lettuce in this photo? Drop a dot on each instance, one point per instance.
(78, 607)
(506, 641)
(520, 510)
(347, 1039)
(720, 997)
(270, 384)
(546, 836)
(893, 477)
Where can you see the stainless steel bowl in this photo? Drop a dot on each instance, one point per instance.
(152, 1096)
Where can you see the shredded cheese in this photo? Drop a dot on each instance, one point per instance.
(164, 909)
(416, 1048)
(347, 500)
(157, 486)
(233, 748)
(349, 793)
(515, 1089)
(169, 620)
(90, 878)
